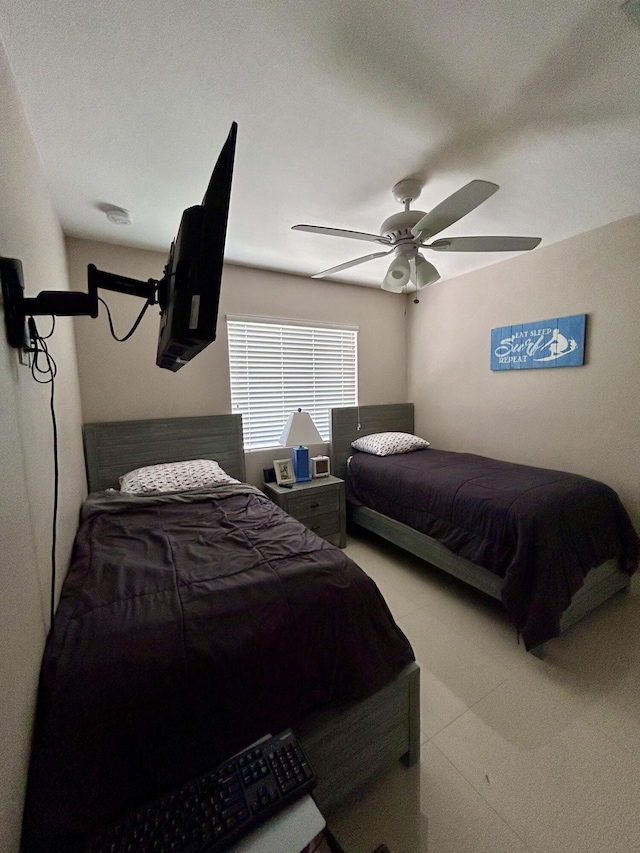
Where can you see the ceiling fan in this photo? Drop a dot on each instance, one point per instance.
(407, 232)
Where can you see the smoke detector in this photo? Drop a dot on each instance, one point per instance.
(119, 216)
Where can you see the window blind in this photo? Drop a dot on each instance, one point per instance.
(277, 367)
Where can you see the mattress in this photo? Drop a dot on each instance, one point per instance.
(541, 530)
(190, 625)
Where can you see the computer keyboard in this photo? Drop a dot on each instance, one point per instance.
(210, 813)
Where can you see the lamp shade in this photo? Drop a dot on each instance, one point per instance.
(426, 273)
(300, 430)
(397, 275)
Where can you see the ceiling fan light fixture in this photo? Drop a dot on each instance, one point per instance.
(397, 275)
(426, 273)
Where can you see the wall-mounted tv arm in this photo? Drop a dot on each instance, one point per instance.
(61, 303)
(121, 284)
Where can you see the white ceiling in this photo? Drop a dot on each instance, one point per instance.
(130, 101)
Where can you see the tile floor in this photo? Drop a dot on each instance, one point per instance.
(517, 754)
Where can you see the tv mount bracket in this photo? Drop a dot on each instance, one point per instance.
(60, 303)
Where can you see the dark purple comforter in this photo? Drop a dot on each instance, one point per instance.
(189, 626)
(540, 530)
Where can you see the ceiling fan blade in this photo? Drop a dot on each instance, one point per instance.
(353, 263)
(485, 244)
(341, 232)
(453, 208)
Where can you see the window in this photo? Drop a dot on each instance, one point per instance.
(277, 367)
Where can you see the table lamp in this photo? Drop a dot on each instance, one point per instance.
(299, 431)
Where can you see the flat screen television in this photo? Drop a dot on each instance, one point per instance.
(188, 293)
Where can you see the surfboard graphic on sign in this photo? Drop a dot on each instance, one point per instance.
(544, 343)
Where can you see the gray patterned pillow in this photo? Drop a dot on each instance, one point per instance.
(174, 477)
(387, 443)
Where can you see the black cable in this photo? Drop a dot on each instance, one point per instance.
(39, 351)
(45, 375)
(53, 328)
(133, 328)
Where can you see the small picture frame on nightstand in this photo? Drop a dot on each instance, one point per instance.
(320, 466)
(285, 473)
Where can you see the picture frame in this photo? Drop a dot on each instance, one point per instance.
(285, 475)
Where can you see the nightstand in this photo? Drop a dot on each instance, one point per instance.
(317, 503)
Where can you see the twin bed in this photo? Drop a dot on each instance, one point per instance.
(551, 546)
(193, 622)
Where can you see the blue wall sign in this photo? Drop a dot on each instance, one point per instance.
(545, 343)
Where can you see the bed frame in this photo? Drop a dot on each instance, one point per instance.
(347, 744)
(350, 423)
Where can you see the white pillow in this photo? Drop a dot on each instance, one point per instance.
(387, 443)
(174, 477)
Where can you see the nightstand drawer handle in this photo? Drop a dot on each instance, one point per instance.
(317, 503)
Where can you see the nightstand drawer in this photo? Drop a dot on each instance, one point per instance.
(317, 502)
(324, 525)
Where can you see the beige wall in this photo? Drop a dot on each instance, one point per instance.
(582, 419)
(29, 230)
(120, 380)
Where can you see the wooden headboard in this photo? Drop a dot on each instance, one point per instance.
(353, 422)
(114, 448)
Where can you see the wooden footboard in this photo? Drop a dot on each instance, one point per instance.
(599, 585)
(352, 744)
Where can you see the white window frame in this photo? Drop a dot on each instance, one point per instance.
(277, 366)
